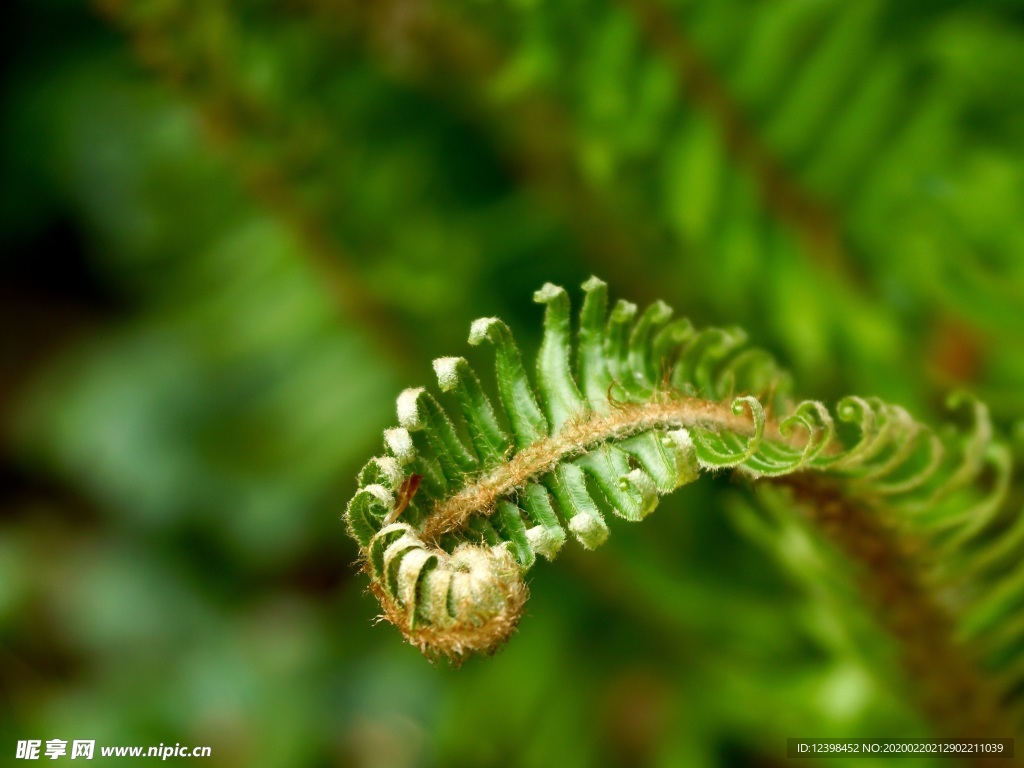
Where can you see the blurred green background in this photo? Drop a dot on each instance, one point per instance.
(234, 231)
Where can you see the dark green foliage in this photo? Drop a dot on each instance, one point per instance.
(235, 230)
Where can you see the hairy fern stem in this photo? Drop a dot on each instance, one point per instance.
(576, 438)
(942, 675)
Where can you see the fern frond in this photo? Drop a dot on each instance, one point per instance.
(636, 407)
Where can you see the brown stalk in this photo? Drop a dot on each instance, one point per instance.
(574, 438)
(943, 674)
(781, 194)
(420, 44)
(230, 115)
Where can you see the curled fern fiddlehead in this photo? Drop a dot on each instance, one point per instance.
(455, 512)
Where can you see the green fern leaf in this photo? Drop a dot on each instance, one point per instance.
(455, 512)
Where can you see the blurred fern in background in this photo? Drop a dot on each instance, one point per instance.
(235, 231)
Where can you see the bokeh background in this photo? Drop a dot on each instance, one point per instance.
(234, 231)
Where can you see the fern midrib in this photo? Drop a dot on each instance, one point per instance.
(944, 674)
(782, 193)
(577, 437)
(229, 115)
